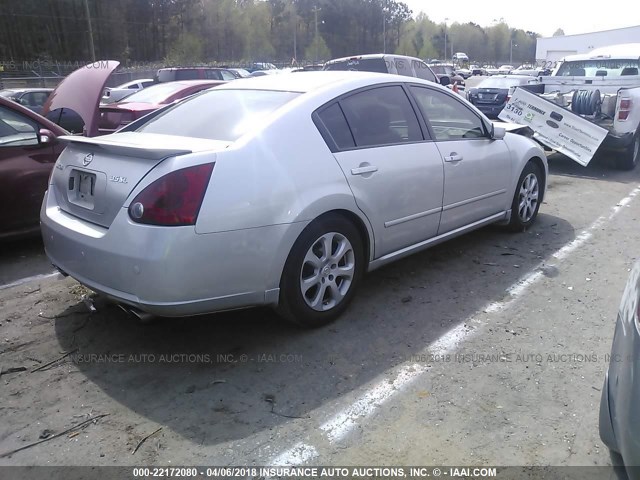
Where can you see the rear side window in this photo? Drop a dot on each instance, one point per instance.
(423, 71)
(213, 75)
(403, 67)
(187, 74)
(335, 123)
(381, 116)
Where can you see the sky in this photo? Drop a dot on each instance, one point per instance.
(542, 16)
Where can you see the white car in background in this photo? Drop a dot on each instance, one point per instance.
(463, 72)
(112, 95)
(505, 69)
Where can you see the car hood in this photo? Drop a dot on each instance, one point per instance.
(81, 92)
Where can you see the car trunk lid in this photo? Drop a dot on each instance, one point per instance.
(491, 95)
(94, 177)
(81, 91)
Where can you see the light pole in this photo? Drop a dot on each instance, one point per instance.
(511, 52)
(91, 47)
(445, 39)
(315, 11)
(384, 31)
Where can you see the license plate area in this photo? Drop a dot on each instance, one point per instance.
(82, 188)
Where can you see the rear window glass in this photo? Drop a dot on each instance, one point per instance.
(218, 114)
(362, 65)
(155, 93)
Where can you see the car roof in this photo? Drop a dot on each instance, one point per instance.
(371, 56)
(317, 80)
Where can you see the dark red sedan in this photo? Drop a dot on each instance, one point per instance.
(117, 115)
(28, 150)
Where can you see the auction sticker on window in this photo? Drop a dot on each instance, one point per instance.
(556, 127)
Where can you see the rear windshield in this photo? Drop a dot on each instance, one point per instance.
(155, 93)
(218, 114)
(362, 65)
(599, 67)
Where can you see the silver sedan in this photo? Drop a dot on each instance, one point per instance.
(282, 190)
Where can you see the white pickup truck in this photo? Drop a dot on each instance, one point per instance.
(602, 87)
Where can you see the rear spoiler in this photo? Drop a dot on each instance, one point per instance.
(119, 147)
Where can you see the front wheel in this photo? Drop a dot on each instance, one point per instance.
(629, 158)
(322, 272)
(527, 197)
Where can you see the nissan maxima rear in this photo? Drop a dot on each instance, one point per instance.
(282, 190)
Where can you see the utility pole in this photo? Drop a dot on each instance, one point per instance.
(295, 36)
(315, 11)
(93, 51)
(384, 31)
(445, 39)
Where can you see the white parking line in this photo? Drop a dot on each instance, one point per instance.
(28, 279)
(343, 423)
(296, 455)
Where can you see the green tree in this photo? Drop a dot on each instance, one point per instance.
(188, 49)
(317, 50)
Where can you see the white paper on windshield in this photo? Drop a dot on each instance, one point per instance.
(556, 127)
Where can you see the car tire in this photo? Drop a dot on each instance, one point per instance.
(526, 198)
(322, 272)
(630, 155)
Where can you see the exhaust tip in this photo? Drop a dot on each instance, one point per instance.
(142, 317)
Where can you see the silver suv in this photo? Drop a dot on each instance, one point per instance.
(384, 63)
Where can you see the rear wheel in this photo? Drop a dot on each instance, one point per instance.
(526, 199)
(322, 272)
(629, 158)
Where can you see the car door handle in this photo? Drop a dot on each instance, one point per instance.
(454, 157)
(363, 170)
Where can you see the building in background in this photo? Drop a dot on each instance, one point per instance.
(552, 49)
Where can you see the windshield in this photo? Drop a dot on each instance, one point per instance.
(599, 67)
(500, 83)
(218, 114)
(362, 65)
(156, 93)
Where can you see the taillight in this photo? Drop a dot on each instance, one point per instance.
(624, 108)
(173, 200)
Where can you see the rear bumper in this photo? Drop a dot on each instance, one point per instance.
(169, 271)
(490, 111)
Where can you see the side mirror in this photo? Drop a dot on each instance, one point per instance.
(445, 80)
(46, 137)
(498, 133)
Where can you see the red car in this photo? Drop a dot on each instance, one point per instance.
(29, 144)
(139, 104)
(28, 150)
